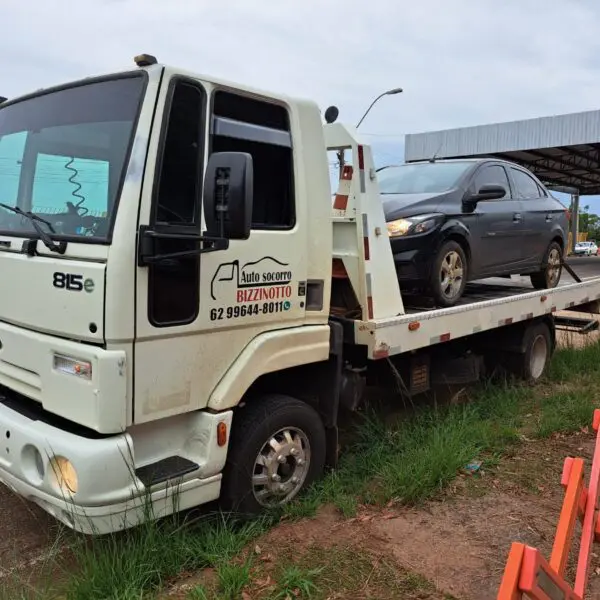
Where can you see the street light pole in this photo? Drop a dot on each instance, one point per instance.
(391, 92)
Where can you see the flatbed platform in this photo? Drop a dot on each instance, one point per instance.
(486, 306)
(474, 292)
(486, 289)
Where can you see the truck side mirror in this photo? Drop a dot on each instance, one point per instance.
(228, 190)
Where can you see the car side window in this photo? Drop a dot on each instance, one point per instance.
(492, 175)
(526, 185)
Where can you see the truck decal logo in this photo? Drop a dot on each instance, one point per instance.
(258, 287)
(266, 272)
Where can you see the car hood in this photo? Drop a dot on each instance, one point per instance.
(397, 206)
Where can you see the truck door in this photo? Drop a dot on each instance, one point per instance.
(195, 314)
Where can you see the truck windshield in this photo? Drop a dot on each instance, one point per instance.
(424, 178)
(62, 156)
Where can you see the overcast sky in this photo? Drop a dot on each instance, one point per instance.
(460, 62)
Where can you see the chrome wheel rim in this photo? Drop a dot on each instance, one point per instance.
(554, 267)
(539, 356)
(451, 274)
(281, 467)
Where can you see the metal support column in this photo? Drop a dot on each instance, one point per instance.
(574, 220)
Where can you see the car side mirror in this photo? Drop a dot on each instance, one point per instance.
(489, 191)
(228, 195)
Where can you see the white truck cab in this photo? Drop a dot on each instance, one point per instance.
(133, 317)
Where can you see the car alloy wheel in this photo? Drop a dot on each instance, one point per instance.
(554, 267)
(451, 274)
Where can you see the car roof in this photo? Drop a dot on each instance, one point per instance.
(473, 160)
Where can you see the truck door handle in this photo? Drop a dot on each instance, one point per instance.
(517, 217)
(549, 218)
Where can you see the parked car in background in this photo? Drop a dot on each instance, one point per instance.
(588, 248)
(452, 221)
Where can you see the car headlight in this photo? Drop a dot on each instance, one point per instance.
(413, 225)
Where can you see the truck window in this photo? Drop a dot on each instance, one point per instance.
(68, 147)
(261, 129)
(12, 148)
(174, 289)
(179, 183)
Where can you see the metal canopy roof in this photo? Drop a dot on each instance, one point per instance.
(562, 150)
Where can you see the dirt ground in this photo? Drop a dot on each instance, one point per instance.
(27, 533)
(460, 544)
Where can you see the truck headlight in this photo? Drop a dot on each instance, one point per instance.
(73, 366)
(412, 225)
(63, 475)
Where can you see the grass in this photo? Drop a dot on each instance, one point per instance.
(406, 463)
(233, 578)
(342, 572)
(119, 567)
(296, 581)
(415, 459)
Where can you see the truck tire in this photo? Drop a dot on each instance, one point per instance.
(549, 276)
(277, 448)
(539, 346)
(451, 263)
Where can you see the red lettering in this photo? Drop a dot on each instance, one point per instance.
(259, 294)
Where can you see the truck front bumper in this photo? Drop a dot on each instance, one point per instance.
(89, 483)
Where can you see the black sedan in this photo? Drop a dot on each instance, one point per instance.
(453, 221)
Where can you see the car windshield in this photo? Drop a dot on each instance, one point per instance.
(423, 178)
(62, 155)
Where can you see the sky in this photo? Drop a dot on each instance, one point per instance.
(460, 62)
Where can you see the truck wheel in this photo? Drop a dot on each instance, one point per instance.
(449, 274)
(549, 276)
(539, 346)
(277, 448)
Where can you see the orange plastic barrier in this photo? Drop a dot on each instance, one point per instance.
(527, 573)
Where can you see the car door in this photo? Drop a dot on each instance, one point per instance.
(538, 215)
(497, 228)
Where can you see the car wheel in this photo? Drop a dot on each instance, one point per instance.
(449, 274)
(277, 449)
(549, 276)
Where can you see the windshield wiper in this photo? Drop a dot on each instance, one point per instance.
(35, 221)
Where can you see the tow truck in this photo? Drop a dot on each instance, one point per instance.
(185, 306)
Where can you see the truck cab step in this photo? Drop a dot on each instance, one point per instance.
(165, 469)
